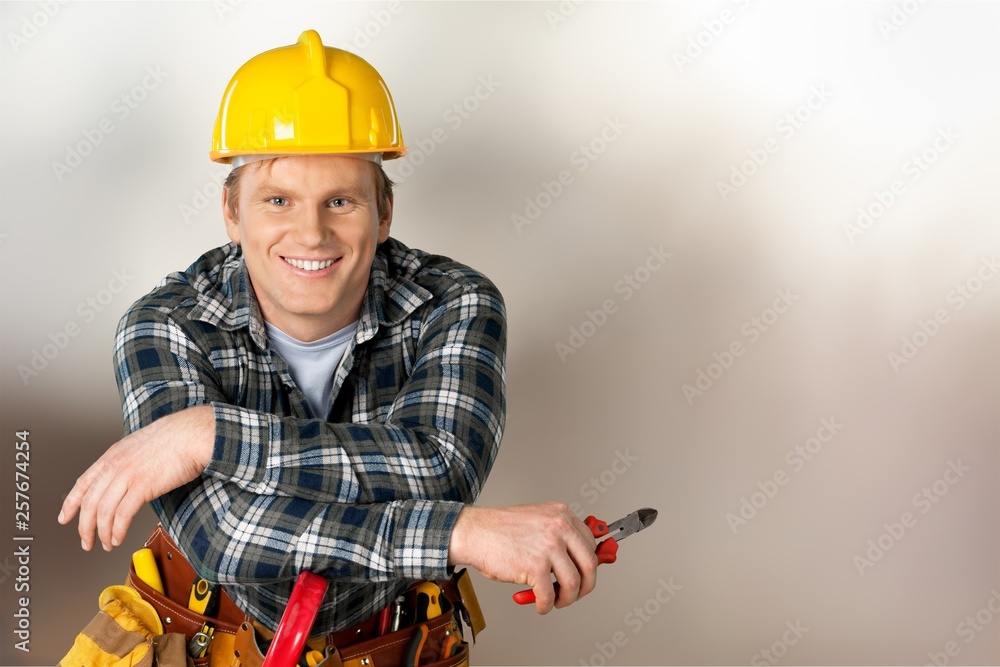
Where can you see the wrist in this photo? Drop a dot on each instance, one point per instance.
(206, 430)
(458, 544)
(195, 426)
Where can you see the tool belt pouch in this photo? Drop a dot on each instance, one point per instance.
(388, 650)
(178, 576)
(234, 635)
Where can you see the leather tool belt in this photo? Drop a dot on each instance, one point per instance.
(236, 637)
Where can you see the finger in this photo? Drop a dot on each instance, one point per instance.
(568, 576)
(545, 595)
(587, 565)
(89, 508)
(580, 565)
(70, 505)
(107, 510)
(127, 509)
(588, 536)
(75, 497)
(543, 587)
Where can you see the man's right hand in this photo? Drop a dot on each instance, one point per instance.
(526, 544)
(162, 456)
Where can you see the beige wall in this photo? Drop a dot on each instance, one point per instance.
(833, 302)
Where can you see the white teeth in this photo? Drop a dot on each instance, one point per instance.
(309, 265)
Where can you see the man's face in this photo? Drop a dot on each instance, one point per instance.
(308, 226)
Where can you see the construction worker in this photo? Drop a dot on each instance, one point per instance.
(315, 395)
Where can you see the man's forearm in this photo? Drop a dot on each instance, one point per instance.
(347, 462)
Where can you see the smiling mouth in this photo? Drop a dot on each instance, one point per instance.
(310, 265)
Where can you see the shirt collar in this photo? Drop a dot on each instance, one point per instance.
(227, 301)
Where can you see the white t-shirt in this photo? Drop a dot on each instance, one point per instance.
(313, 365)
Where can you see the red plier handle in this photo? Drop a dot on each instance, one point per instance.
(607, 552)
(297, 621)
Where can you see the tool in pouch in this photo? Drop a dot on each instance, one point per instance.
(285, 649)
(607, 549)
(203, 599)
(199, 643)
(428, 607)
(234, 640)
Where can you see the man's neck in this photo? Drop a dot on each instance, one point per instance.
(306, 329)
(309, 328)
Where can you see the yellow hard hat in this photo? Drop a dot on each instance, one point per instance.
(306, 99)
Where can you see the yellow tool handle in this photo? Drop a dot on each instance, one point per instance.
(428, 601)
(146, 570)
(202, 594)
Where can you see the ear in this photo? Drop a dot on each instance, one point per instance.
(385, 222)
(232, 224)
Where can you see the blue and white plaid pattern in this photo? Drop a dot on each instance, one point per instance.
(366, 495)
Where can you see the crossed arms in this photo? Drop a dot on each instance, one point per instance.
(256, 497)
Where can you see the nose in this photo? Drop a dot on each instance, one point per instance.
(310, 230)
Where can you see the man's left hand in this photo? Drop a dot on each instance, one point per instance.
(142, 466)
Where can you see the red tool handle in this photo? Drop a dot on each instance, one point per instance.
(297, 621)
(607, 552)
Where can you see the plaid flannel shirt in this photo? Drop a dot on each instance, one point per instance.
(366, 495)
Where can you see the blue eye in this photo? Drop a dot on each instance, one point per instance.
(338, 202)
(277, 201)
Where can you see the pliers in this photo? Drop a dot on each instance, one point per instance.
(607, 549)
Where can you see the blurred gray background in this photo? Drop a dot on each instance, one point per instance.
(806, 387)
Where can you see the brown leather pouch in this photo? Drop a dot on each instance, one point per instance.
(178, 576)
(234, 644)
(382, 651)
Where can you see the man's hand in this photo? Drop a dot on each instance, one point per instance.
(525, 545)
(160, 457)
